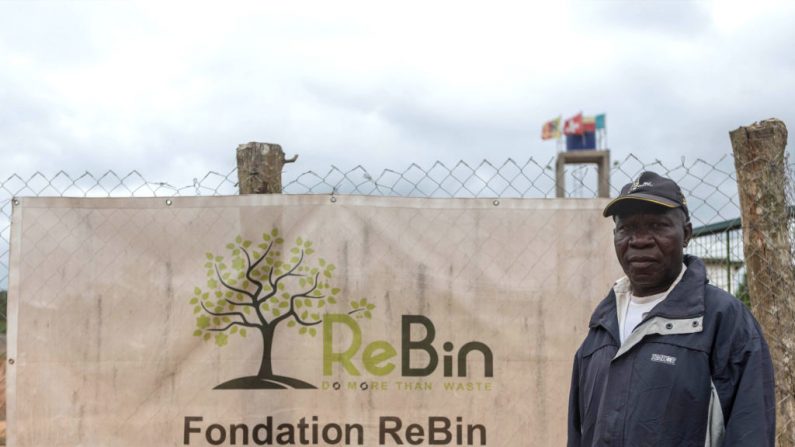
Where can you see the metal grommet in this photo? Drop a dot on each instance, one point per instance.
(333, 199)
(496, 203)
(695, 323)
(16, 202)
(669, 326)
(10, 361)
(169, 202)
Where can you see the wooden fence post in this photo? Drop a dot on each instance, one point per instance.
(762, 180)
(259, 168)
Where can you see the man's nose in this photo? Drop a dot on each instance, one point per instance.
(640, 238)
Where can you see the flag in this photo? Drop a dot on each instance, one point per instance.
(573, 125)
(551, 129)
(600, 121)
(588, 123)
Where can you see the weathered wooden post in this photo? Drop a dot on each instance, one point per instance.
(759, 158)
(259, 168)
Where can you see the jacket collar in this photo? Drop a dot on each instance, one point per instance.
(686, 300)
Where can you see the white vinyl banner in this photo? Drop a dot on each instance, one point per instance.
(299, 320)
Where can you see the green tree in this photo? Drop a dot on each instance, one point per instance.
(256, 287)
(742, 291)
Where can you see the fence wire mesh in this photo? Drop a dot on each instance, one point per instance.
(711, 188)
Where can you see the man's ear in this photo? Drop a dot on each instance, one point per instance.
(688, 227)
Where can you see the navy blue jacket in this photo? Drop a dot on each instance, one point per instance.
(696, 371)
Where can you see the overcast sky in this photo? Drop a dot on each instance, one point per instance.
(170, 89)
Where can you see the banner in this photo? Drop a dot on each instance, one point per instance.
(299, 320)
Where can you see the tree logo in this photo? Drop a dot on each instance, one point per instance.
(256, 288)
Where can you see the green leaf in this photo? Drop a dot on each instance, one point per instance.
(197, 333)
(279, 241)
(302, 282)
(194, 300)
(246, 244)
(209, 255)
(370, 306)
(304, 314)
(238, 239)
(298, 304)
(332, 300)
(216, 321)
(312, 331)
(211, 283)
(246, 310)
(219, 258)
(208, 265)
(302, 331)
(242, 332)
(197, 291)
(274, 232)
(367, 314)
(205, 296)
(307, 302)
(236, 252)
(207, 336)
(203, 322)
(291, 323)
(321, 303)
(230, 246)
(225, 319)
(293, 260)
(284, 304)
(266, 307)
(299, 241)
(294, 250)
(308, 244)
(315, 316)
(276, 312)
(354, 304)
(197, 309)
(322, 262)
(263, 246)
(327, 274)
(309, 251)
(266, 236)
(363, 302)
(335, 291)
(332, 267)
(221, 339)
(233, 330)
(218, 294)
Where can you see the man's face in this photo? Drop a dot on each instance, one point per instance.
(649, 243)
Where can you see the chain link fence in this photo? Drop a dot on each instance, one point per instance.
(710, 185)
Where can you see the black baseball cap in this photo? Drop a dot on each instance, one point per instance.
(649, 187)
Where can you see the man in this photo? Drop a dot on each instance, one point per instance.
(669, 359)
